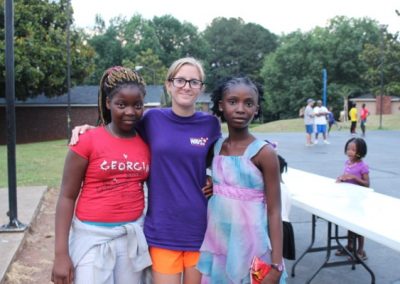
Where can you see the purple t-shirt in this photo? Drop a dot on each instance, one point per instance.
(356, 169)
(177, 210)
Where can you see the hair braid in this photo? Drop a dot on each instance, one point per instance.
(111, 82)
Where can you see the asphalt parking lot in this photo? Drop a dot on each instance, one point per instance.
(328, 160)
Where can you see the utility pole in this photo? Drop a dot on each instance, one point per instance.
(68, 70)
(14, 225)
(139, 67)
(381, 74)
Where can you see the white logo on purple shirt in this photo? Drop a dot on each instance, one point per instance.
(198, 141)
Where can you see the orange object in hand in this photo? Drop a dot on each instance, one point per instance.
(258, 270)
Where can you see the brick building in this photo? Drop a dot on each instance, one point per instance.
(390, 104)
(43, 119)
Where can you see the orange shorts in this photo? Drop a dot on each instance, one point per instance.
(172, 261)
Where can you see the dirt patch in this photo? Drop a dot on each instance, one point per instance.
(34, 262)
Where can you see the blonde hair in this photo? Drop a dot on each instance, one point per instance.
(178, 64)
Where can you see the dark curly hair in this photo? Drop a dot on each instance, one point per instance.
(282, 164)
(226, 84)
(361, 147)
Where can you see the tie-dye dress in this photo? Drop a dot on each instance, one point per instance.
(236, 219)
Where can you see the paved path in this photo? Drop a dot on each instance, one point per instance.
(28, 202)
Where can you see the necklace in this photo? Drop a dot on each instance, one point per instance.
(128, 135)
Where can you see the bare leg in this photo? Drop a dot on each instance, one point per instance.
(360, 249)
(162, 278)
(308, 139)
(350, 237)
(191, 276)
(363, 129)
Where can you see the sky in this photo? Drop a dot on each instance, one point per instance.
(278, 16)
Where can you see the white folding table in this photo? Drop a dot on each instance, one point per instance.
(358, 209)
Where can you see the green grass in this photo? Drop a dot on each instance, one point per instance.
(42, 163)
(36, 163)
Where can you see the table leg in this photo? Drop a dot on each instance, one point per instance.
(330, 237)
(313, 224)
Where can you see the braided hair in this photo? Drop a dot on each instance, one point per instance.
(112, 81)
(226, 84)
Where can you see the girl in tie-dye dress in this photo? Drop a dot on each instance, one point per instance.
(245, 175)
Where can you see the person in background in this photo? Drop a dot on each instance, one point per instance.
(289, 249)
(320, 113)
(332, 120)
(363, 118)
(353, 118)
(309, 121)
(179, 139)
(356, 171)
(102, 198)
(244, 212)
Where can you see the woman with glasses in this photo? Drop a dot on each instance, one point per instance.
(179, 139)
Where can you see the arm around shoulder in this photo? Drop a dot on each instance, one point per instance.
(78, 130)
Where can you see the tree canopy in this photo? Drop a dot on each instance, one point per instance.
(345, 48)
(359, 55)
(236, 48)
(40, 49)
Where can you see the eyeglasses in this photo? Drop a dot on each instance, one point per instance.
(180, 83)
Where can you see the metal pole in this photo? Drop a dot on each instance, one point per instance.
(324, 78)
(14, 225)
(382, 64)
(68, 71)
(139, 67)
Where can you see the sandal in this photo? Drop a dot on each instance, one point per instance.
(362, 256)
(342, 252)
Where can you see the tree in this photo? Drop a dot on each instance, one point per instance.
(108, 47)
(382, 63)
(293, 72)
(138, 42)
(154, 72)
(178, 39)
(40, 49)
(139, 37)
(236, 48)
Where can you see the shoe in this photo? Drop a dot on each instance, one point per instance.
(316, 142)
(309, 145)
(342, 252)
(326, 142)
(362, 255)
